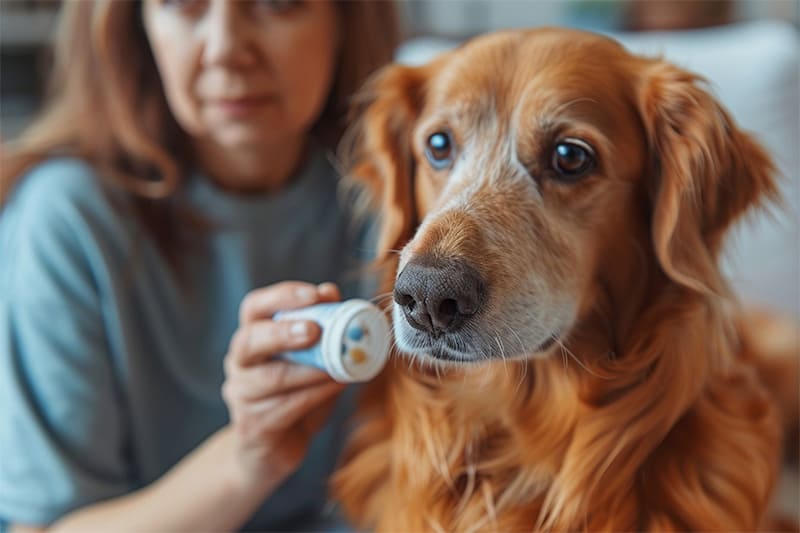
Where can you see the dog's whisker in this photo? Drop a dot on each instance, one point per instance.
(523, 377)
(577, 360)
(564, 357)
(502, 352)
(380, 298)
(504, 355)
(522, 350)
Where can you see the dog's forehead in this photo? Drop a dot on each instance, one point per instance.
(502, 69)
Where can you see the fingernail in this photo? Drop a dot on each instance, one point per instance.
(305, 293)
(326, 287)
(299, 329)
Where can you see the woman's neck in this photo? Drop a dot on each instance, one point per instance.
(251, 168)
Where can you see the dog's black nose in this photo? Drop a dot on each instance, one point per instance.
(437, 295)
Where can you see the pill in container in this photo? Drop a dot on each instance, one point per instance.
(355, 339)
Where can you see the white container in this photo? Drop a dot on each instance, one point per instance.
(355, 340)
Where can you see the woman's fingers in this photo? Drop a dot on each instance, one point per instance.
(265, 302)
(328, 292)
(274, 377)
(256, 342)
(258, 337)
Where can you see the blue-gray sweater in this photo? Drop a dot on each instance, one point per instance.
(111, 361)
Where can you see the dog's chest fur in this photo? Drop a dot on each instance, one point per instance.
(452, 459)
(544, 444)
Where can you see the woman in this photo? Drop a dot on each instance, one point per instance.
(180, 165)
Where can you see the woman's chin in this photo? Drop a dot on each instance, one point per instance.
(244, 136)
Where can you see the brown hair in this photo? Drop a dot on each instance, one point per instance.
(105, 103)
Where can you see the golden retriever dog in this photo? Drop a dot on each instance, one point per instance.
(554, 208)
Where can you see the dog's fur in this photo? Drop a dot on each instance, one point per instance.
(600, 386)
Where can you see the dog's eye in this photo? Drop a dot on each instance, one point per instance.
(572, 158)
(439, 150)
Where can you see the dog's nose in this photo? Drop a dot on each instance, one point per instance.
(437, 296)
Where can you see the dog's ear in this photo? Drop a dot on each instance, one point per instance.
(706, 173)
(377, 149)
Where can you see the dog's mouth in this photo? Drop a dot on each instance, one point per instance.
(464, 348)
(450, 355)
(445, 353)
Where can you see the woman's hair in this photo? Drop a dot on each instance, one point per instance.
(105, 103)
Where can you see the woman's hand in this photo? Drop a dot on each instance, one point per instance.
(275, 406)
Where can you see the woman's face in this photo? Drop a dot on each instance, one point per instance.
(244, 72)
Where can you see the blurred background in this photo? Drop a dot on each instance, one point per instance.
(26, 26)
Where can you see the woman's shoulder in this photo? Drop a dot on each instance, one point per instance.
(59, 209)
(64, 190)
(57, 181)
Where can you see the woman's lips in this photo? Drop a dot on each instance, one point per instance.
(242, 106)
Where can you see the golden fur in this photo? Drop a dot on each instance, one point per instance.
(641, 415)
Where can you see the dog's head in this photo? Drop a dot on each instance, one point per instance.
(527, 172)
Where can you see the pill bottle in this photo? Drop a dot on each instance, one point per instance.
(355, 340)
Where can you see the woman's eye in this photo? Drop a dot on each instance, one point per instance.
(439, 150)
(572, 159)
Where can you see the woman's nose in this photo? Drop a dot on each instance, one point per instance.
(227, 35)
